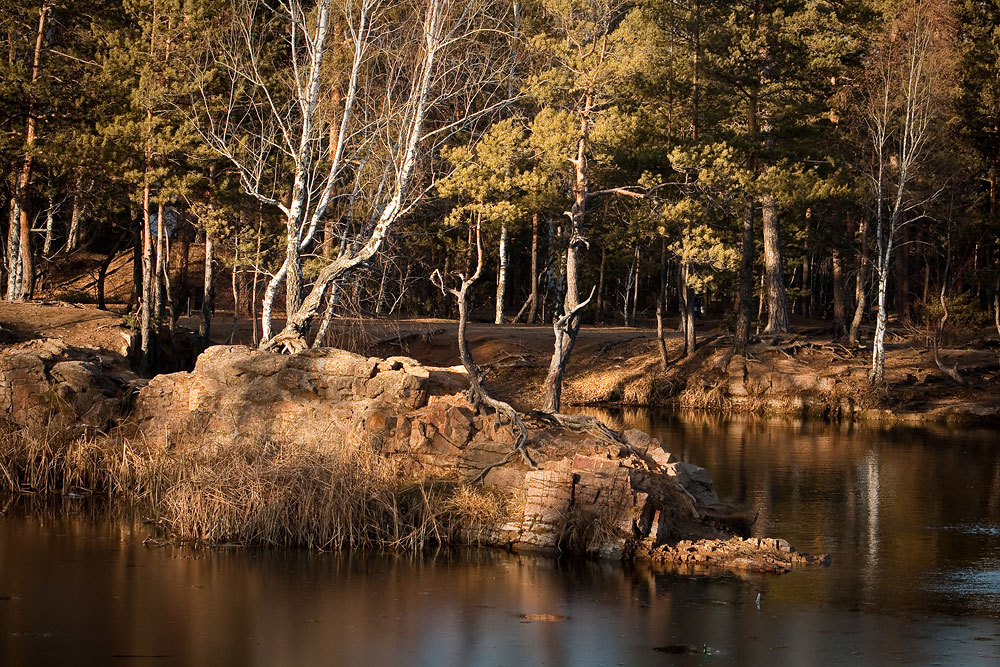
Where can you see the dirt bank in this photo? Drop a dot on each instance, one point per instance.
(803, 373)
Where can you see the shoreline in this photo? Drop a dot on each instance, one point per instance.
(803, 374)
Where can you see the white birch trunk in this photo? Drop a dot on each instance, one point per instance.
(73, 235)
(502, 275)
(14, 252)
(50, 217)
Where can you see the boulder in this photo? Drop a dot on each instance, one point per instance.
(46, 381)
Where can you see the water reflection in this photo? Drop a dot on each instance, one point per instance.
(884, 501)
(911, 517)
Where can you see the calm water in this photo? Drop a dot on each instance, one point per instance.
(911, 518)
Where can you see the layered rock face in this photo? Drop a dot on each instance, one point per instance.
(591, 489)
(47, 381)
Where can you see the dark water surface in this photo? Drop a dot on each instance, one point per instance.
(911, 518)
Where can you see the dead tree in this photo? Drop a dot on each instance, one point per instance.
(477, 394)
(952, 371)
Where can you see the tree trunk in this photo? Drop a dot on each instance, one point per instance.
(687, 314)
(293, 274)
(50, 221)
(502, 275)
(626, 295)
(135, 298)
(807, 304)
(324, 326)
(777, 301)
(267, 306)
(747, 250)
(996, 306)
(24, 184)
(567, 326)
(635, 288)
(158, 284)
(877, 375)
(73, 235)
(533, 310)
(860, 286)
(839, 311)
(146, 302)
(661, 304)
(14, 250)
(598, 316)
(208, 293)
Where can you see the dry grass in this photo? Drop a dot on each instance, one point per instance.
(480, 513)
(256, 491)
(47, 461)
(266, 493)
(583, 531)
(629, 386)
(703, 396)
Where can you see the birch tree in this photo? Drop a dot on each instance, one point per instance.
(300, 125)
(907, 87)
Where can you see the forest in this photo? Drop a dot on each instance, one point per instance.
(598, 161)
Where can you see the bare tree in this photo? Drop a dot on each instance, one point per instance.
(478, 396)
(414, 76)
(907, 87)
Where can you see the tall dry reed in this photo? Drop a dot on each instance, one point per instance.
(48, 461)
(257, 491)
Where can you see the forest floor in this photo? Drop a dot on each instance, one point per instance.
(805, 371)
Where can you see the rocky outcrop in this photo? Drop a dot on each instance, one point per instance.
(46, 381)
(762, 555)
(591, 489)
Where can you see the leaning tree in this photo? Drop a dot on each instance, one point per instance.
(313, 102)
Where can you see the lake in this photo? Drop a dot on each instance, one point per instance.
(910, 516)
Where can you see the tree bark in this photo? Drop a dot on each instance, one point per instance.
(158, 283)
(502, 274)
(14, 249)
(996, 306)
(777, 300)
(839, 312)
(208, 293)
(533, 310)
(73, 235)
(635, 287)
(860, 286)
(599, 315)
(50, 222)
(627, 296)
(661, 304)
(146, 301)
(687, 314)
(745, 291)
